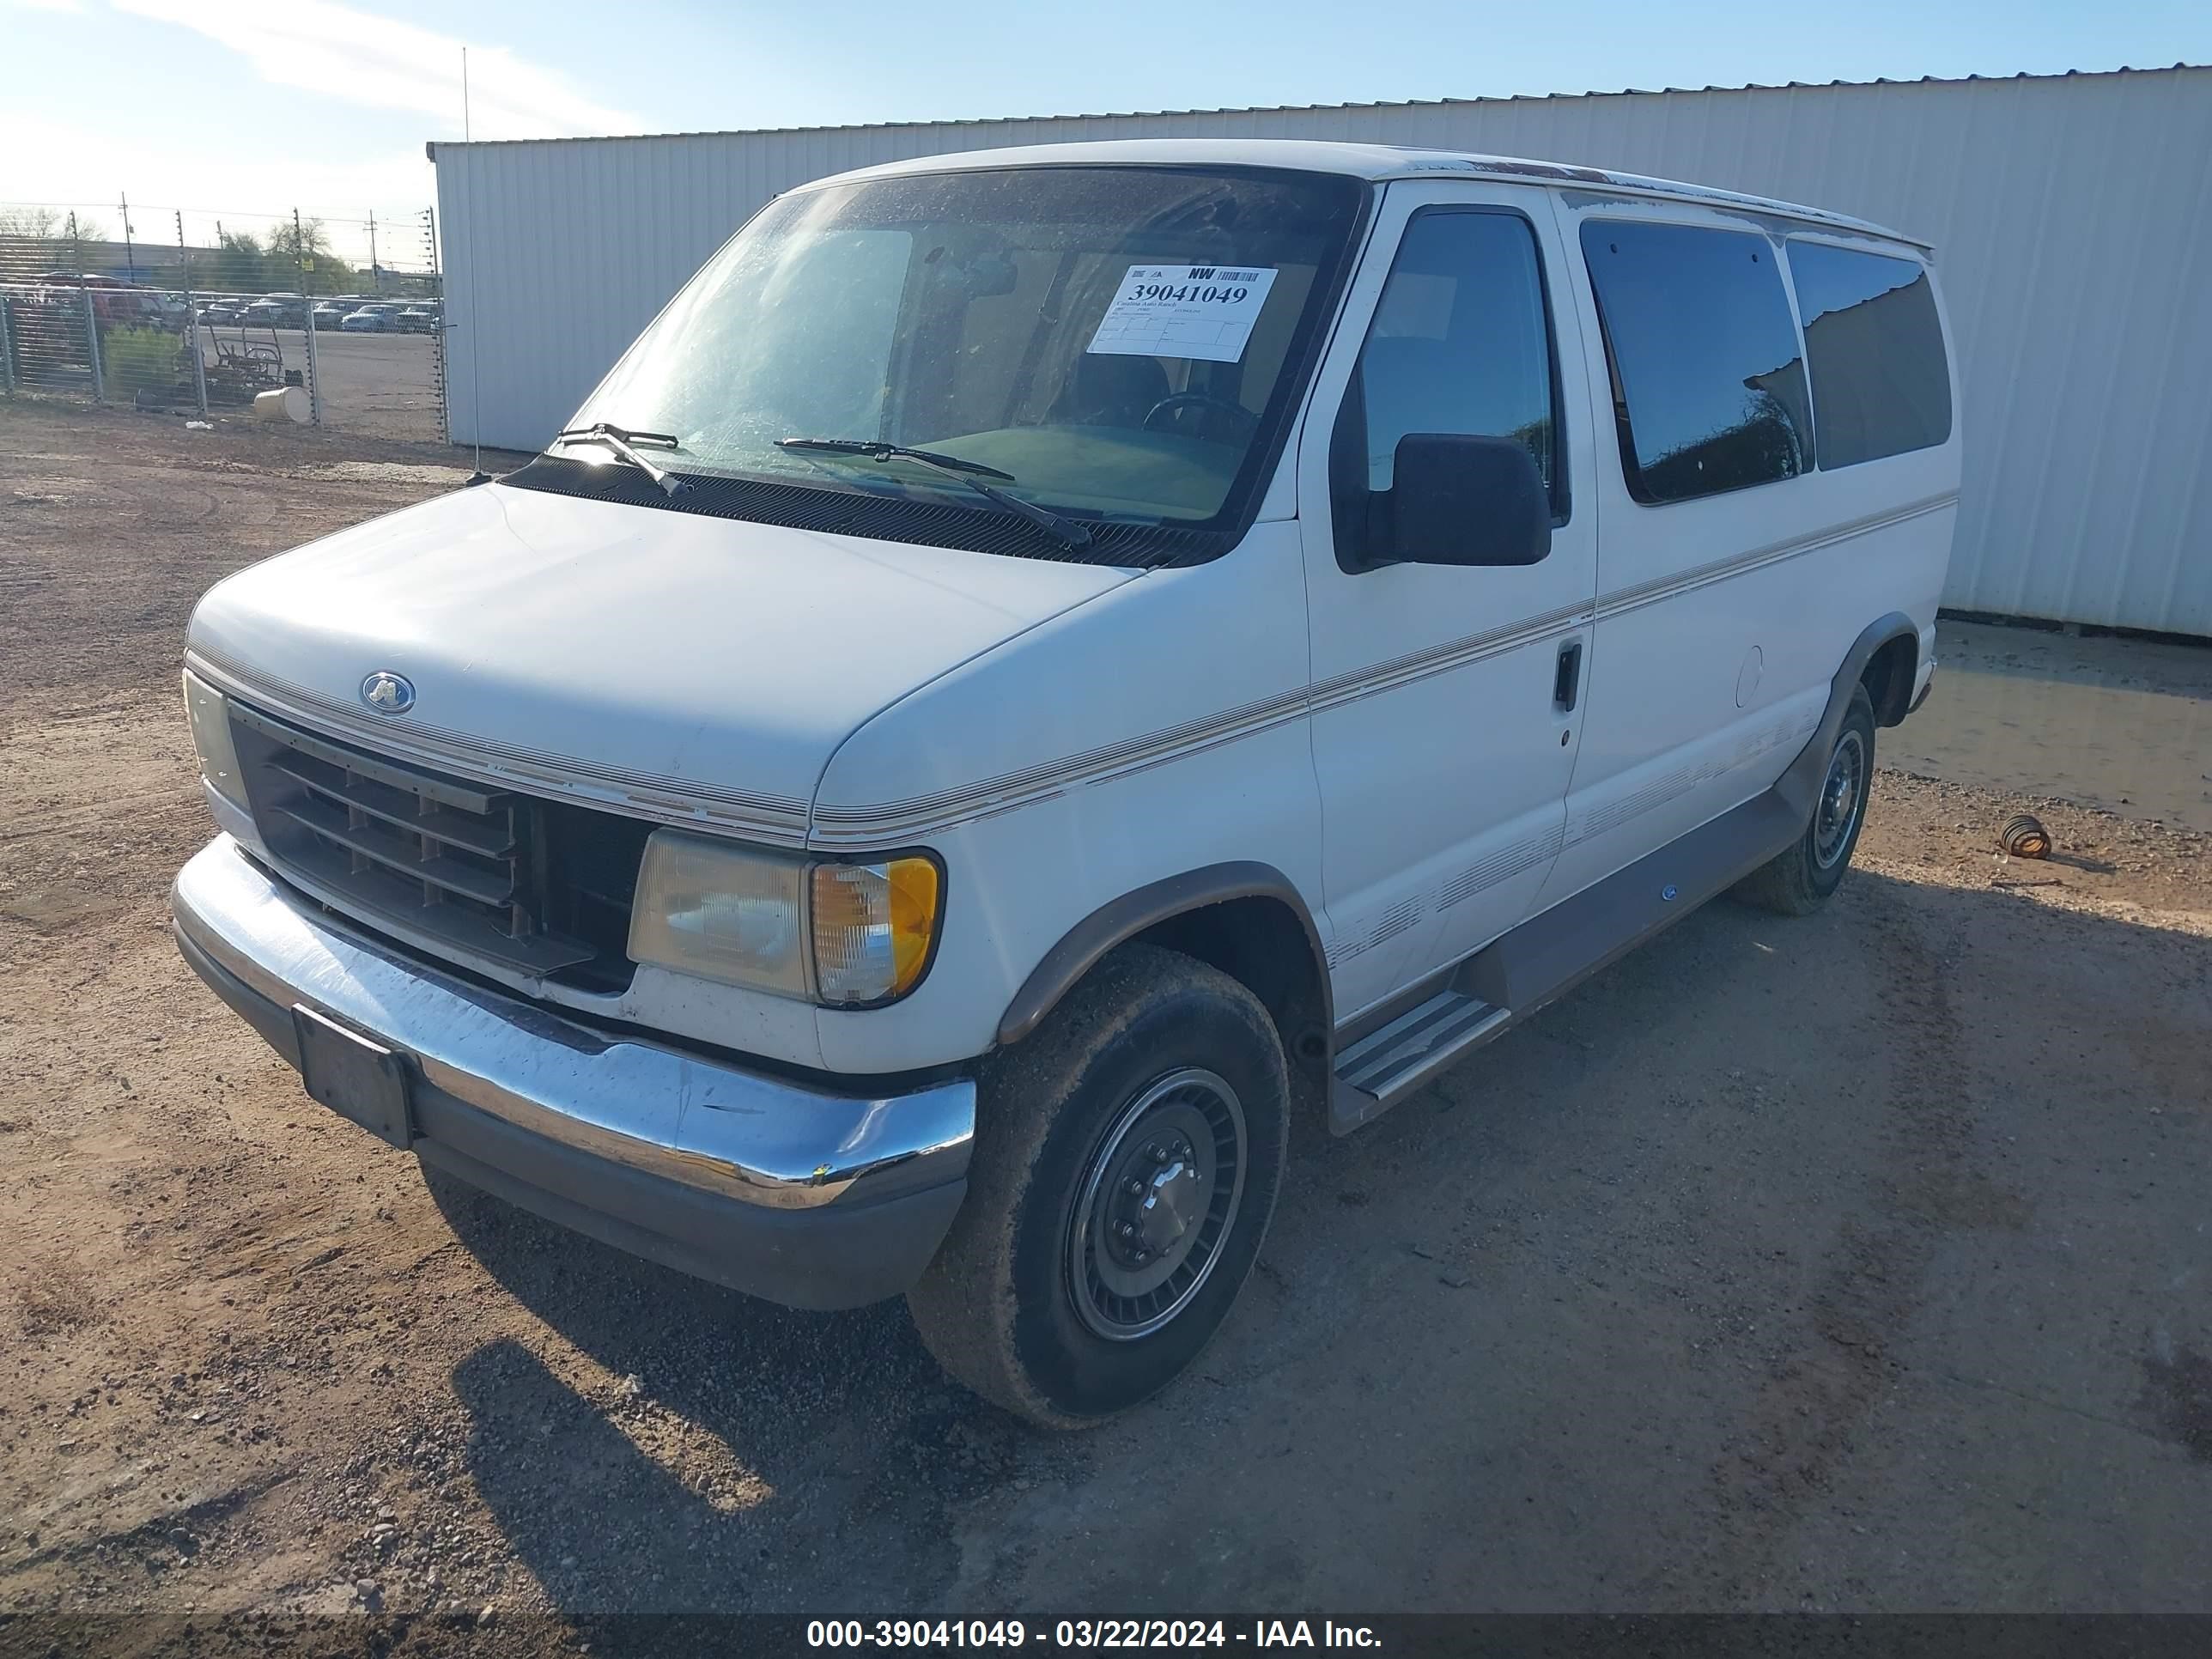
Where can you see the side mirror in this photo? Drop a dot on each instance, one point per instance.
(1461, 500)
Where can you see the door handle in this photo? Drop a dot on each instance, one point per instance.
(1567, 683)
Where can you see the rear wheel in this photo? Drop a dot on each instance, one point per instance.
(1126, 1160)
(1798, 881)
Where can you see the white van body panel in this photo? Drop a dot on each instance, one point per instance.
(1158, 731)
(674, 665)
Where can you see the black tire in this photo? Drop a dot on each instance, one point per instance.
(1013, 1303)
(1797, 882)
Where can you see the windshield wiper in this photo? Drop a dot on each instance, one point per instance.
(1068, 533)
(623, 441)
(875, 449)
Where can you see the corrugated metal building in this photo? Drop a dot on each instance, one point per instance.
(2069, 215)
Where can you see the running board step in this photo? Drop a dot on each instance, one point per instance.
(1390, 1062)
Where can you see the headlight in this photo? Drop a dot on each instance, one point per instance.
(209, 717)
(706, 908)
(840, 934)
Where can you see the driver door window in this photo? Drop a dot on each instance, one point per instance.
(1460, 344)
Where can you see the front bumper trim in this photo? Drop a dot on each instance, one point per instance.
(805, 1197)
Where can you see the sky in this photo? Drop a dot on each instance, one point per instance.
(250, 107)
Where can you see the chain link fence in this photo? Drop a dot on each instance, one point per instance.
(335, 321)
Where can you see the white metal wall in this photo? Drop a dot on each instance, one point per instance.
(2069, 215)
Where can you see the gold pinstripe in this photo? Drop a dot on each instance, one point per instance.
(883, 823)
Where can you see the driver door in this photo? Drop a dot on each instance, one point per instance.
(1447, 699)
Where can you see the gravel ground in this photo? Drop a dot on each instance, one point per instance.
(1856, 1262)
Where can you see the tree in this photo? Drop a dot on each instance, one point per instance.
(301, 253)
(44, 238)
(52, 225)
(34, 224)
(240, 265)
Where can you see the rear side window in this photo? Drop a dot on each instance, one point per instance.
(1880, 385)
(1708, 387)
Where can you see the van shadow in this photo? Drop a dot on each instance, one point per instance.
(749, 1458)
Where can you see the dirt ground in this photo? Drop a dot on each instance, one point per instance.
(2121, 723)
(1858, 1262)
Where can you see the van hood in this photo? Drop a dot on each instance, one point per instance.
(673, 664)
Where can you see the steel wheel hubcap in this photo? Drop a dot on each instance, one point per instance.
(1158, 1198)
(1841, 795)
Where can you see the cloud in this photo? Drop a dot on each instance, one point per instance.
(250, 184)
(340, 53)
(48, 5)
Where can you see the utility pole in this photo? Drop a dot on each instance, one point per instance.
(130, 258)
(376, 270)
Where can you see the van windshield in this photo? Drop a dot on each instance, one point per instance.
(1121, 344)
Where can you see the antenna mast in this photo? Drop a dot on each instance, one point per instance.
(475, 317)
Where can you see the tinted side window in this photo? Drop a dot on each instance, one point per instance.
(1708, 387)
(1880, 385)
(1460, 343)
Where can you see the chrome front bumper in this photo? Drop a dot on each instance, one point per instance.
(810, 1199)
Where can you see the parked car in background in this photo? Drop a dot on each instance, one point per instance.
(114, 302)
(276, 311)
(861, 818)
(330, 312)
(221, 311)
(371, 319)
(419, 319)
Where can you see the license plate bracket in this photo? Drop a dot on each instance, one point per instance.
(356, 1077)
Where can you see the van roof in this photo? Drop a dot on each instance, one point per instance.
(1370, 161)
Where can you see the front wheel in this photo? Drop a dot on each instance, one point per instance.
(1799, 880)
(1128, 1155)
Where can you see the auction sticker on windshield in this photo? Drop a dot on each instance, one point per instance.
(1183, 311)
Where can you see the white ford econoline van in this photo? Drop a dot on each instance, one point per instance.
(1042, 669)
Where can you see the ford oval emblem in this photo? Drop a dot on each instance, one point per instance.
(388, 693)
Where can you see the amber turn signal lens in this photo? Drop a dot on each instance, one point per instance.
(874, 927)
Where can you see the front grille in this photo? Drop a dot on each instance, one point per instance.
(541, 886)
